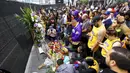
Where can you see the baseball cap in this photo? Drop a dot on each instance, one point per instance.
(96, 18)
(107, 13)
(108, 23)
(75, 13)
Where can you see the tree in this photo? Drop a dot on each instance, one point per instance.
(121, 1)
(84, 1)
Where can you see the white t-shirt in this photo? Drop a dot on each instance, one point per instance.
(65, 18)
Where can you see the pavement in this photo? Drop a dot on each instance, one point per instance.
(35, 59)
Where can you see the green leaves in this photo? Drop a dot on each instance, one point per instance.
(29, 18)
(84, 1)
(50, 70)
(120, 0)
(26, 17)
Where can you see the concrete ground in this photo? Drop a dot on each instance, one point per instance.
(35, 59)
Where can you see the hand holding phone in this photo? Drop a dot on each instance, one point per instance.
(103, 46)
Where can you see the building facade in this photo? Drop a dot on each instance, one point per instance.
(41, 2)
(104, 2)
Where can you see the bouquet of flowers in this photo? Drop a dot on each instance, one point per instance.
(26, 18)
(38, 35)
(32, 22)
(50, 70)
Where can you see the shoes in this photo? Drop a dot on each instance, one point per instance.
(41, 66)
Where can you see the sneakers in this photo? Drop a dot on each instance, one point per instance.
(41, 66)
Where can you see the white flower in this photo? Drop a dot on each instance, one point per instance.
(36, 20)
(32, 19)
(39, 25)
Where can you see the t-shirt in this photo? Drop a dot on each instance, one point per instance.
(66, 60)
(85, 25)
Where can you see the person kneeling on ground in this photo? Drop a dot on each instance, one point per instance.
(64, 68)
(51, 32)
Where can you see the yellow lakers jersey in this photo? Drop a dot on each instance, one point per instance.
(94, 36)
(108, 43)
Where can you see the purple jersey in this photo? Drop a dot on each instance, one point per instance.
(76, 33)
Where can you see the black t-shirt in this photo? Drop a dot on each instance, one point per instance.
(107, 70)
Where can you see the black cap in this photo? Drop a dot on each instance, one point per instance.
(90, 62)
(96, 18)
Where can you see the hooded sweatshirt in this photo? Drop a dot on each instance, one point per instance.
(66, 68)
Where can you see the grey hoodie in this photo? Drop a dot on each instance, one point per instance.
(66, 68)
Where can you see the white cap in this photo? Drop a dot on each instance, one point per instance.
(85, 9)
(84, 15)
(92, 7)
(89, 9)
(109, 9)
(96, 8)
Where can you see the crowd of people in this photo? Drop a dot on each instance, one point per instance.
(96, 38)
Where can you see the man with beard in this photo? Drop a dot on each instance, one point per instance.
(97, 34)
(118, 59)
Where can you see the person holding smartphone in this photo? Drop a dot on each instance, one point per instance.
(111, 41)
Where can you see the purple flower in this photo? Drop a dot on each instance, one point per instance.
(38, 19)
(39, 45)
(35, 25)
(33, 14)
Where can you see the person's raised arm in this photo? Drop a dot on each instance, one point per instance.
(123, 26)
